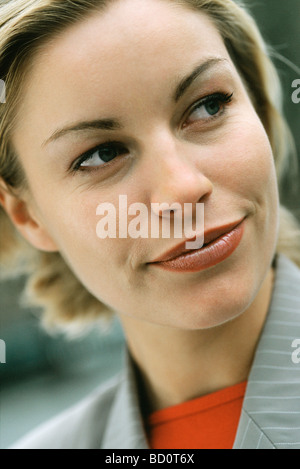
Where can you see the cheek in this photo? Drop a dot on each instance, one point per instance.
(247, 160)
(100, 264)
(251, 181)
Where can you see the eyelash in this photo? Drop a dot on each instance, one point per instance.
(222, 98)
(88, 155)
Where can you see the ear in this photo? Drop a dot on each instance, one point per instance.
(25, 222)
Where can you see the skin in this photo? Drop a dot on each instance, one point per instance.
(189, 333)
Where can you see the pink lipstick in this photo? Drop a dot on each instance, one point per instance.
(220, 243)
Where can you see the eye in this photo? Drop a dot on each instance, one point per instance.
(100, 156)
(209, 107)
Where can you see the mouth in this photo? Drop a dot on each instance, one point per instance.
(219, 243)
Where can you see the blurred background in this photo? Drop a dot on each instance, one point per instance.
(44, 375)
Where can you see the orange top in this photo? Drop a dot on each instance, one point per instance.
(209, 422)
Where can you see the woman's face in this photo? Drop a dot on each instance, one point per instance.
(140, 74)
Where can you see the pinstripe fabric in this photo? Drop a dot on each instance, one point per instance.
(270, 419)
(250, 435)
(271, 409)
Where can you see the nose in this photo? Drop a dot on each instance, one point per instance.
(178, 178)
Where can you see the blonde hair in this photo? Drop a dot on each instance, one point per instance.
(25, 26)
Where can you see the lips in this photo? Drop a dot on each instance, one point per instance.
(209, 236)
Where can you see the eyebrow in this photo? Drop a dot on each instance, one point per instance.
(199, 70)
(114, 124)
(98, 124)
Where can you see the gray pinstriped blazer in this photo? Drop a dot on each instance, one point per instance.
(110, 417)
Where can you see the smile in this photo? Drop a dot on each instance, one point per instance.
(212, 253)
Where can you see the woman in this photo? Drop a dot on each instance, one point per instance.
(168, 102)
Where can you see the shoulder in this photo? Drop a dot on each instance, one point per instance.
(80, 427)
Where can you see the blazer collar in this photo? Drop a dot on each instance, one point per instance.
(271, 408)
(125, 428)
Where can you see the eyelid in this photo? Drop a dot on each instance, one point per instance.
(224, 97)
(75, 166)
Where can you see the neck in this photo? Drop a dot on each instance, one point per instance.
(176, 365)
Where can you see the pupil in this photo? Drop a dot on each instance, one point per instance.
(108, 154)
(213, 107)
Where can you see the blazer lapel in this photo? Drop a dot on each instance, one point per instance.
(125, 428)
(271, 409)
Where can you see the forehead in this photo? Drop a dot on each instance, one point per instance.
(126, 27)
(131, 46)
(131, 32)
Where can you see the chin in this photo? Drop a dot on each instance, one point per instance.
(225, 303)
